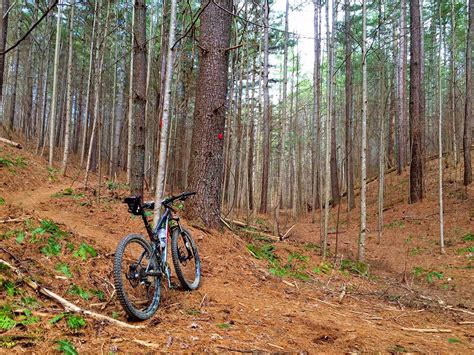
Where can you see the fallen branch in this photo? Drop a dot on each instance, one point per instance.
(12, 143)
(427, 330)
(287, 232)
(243, 351)
(11, 220)
(466, 323)
(226, 224)
(68, 306)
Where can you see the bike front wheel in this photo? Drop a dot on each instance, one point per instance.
(137, 277)
(187, 264)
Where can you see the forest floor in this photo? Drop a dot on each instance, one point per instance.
(255, 295)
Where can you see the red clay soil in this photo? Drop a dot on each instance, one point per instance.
(242, 305)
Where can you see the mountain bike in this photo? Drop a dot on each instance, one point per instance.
(140, 264)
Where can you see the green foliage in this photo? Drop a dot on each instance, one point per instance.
(27, 318)
(20, 237)
(193, 312)
(323, 267)
(416, 251)
(84, 251)
(418, 271)
(2, 201)
(78, 291)
(9, 287)
(66, 347)
(99, 294)
(453, 340)
(223, 325)
(466, 250)
(29, 301)
(52, 174)
(75, 322)
(57, 318)
(112, 186)
(356, 267)
(115, 315)
(9, 162)
(10, 233)
(52, 248)
(430, 276)
(7, 320)
(64, 268)
(469, 237)
(265, 252)
(312, 246)
(395, 224)
(68, 192)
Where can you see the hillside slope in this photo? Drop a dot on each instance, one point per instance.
(286, 299)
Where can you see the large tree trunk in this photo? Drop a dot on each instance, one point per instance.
(137, 163)
(160, 180)
(416, 105)
(206, 167)
(68, 93)
(467, 136)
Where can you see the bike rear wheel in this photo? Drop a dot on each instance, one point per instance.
(137, 277)
(187, 264)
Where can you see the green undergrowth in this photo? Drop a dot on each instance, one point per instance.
(10, 162)
(298, 265)
(68, 192)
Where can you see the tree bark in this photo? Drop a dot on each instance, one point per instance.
(5, 4)
(52, 117)
(160, 180)
(68, 93)
(137, 164)
(348, 108)
(467, 136)
(416, 105)
(206, 166)
(363, 151)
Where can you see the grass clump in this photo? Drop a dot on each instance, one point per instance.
(85, 251)
(355, 267)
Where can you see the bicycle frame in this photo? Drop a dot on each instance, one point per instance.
(156, 247)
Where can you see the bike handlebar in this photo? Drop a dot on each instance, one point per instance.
(183, 196)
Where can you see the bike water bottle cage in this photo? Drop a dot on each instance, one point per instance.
(134, 204)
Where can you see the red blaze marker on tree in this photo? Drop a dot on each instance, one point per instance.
(220, 136)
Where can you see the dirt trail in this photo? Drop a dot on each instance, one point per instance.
(240, 306)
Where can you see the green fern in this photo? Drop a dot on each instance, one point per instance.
(75, 322)
(84, 251)
(66, 347)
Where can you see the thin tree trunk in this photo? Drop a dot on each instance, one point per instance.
(68, 93)
(348, 108)
(266, 113)
(329, 113)
(4, 6)
(363, 159)
(467, 136)
(88, 91)
(402, 127)
(52, 119)
(160, 179)
(440, 137)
